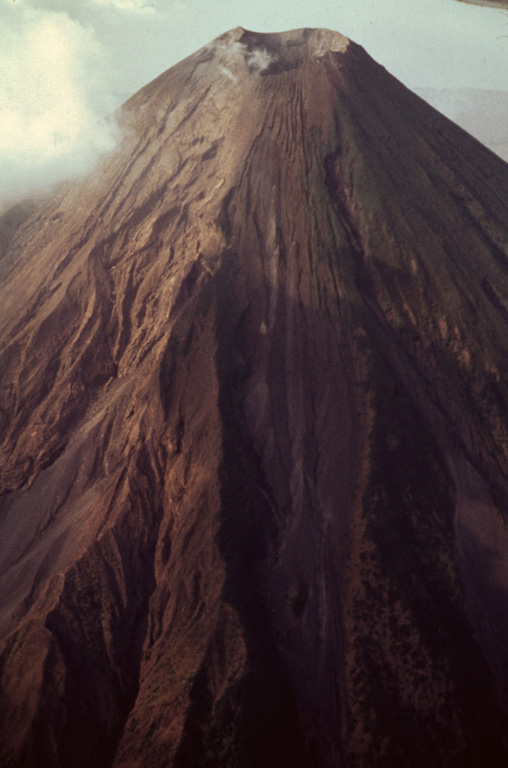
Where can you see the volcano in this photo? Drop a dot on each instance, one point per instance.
(254, 430)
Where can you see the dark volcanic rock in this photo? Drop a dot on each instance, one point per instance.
(254, 431)
(488, 3)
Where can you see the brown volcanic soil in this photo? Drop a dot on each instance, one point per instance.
(254, 430)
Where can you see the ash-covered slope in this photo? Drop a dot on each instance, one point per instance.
(254, 431)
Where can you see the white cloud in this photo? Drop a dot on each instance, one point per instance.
(131, 6)
(233, 53)
(52, 100)
(259, 59)
(65, 63)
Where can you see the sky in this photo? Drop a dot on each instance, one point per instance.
(67, 64)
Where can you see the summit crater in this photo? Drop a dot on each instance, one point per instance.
(270, 53)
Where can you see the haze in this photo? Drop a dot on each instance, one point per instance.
(66, 64)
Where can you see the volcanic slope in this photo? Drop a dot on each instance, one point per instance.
(254, 431)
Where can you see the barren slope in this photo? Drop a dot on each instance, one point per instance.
(254, 432)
